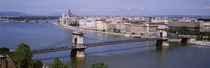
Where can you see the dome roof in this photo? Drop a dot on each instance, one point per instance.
(69, 13)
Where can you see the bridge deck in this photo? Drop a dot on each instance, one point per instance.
(88, 45)
(153, 36)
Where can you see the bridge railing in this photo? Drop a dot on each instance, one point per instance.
(78, 46)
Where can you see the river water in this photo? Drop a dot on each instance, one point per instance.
(127, 55)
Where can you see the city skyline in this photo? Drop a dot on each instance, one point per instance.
(108, 7)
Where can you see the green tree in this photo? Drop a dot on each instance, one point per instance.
(198, 37)
(4, 51)
(208, 38)
(98, 65)
(36, 64)
(23, 56)
(58, 64)
(116, 30)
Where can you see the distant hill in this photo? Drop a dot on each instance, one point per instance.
(13, 14)
(182, 16)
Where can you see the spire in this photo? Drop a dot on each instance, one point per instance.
(69, 10)
(63, 15)
(69, 13)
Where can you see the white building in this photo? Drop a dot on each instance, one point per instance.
(99, 25)
(205, 26)
(88, 23)
(68, 19)
(82, 23)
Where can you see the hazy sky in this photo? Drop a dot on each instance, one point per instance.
(108, 7)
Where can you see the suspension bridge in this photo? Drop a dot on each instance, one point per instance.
(77, 47)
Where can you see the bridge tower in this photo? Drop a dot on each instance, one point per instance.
(163, 40)
(162, 29)
(78, 47)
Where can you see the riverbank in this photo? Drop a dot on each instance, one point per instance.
(31, 21)
(86, 30)
(201, 43)
(195, 42)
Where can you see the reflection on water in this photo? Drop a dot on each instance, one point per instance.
(162, 53)
(78, 62)
(127, 55)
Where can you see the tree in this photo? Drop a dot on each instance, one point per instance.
(98, 65)
(4, 51)
(116, 30)
(36, 64)
(58, 64)
(208, 38)
(23, 56)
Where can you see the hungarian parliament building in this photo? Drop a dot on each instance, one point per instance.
(68, 19)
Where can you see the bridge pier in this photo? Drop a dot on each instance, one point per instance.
(162, 43)
(185, 40)
(78, 47)
(78, 52)
(188, 39)
(77, 62)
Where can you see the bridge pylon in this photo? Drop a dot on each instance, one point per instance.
(78, 47)
(162, 29)
(162, 42)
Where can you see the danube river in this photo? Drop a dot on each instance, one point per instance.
(128, 55)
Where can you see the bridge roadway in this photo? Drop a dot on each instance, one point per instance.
(47, 50)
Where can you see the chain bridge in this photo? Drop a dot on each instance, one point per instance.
(78, 46)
